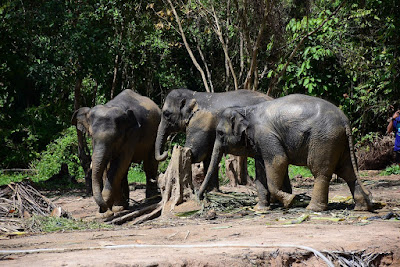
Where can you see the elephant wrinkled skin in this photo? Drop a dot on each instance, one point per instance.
(122, 131)
(295, 129)
(196, 114)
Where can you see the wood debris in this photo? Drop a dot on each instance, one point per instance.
(20, 201)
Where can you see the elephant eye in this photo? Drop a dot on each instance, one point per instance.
(220, 133)
(167, 114)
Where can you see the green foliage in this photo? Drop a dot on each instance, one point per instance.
(47, 46)
(6, 178)
(53, 224)
(394, 169)
(136, 174)
(299, 170)
(62, 150)
(251, 167)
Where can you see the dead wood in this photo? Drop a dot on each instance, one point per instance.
(376, 154)
(22, 200)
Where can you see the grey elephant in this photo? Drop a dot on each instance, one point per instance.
(122, 131)
(197, 114)
(295, 129)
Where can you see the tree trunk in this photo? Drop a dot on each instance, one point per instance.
(176, 183)
(236, 170)
(176, 190)
(188, 49)
(114, 82)
(83, 150)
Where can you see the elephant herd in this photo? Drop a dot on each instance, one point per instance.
(295, 129)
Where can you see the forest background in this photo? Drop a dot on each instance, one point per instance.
(59, 55)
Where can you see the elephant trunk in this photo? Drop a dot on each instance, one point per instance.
(212, 168)
(160, 154)
(99, 163)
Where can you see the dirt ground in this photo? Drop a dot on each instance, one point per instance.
(240, 237)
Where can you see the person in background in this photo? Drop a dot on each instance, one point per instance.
(394, 125)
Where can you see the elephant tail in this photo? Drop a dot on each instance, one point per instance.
(352, 152)
(354, 162)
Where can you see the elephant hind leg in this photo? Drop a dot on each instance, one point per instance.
(360, 194)
(319, 198)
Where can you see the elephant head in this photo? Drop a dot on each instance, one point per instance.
(232, 136)
(178, 109)
(109, 128)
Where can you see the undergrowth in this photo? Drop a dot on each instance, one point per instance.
(53, 224)
(393, 169)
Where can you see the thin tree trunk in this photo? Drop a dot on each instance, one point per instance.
(96, 86)
(218, 31)
(83, 151)
(252, 75)
(188, 49)
(114, 82)
(206, 67)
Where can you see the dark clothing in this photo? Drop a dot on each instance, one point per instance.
(397, 159)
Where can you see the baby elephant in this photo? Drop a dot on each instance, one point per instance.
(295, 129)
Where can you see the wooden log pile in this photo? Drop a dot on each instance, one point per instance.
(20, 201)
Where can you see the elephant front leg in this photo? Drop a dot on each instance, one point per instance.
(117, 180)
(121, 199)
(150, 167)
(319, 198)
(276, 173)
(261, 186)
(213, 185)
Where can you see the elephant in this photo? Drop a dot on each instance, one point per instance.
(123, 131)
(295, 129)
(196, 113)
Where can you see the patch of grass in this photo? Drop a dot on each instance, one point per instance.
(53, 224)
(302, 170)
(136, 174)
(393, 169)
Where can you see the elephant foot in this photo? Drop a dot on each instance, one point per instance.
(118, 208)
(362, 207)
(104, 215)
(287, 200)
(363, 203)
(317, 206)
(261, 208)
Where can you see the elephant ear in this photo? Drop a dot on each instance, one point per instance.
(80, 119)
(128, 120)
(188, 108)
(239, 124)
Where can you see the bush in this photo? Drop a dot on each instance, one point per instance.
(374, 151)
(394, 169)
(62, 150)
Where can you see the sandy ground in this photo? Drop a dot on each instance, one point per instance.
(237, 238)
